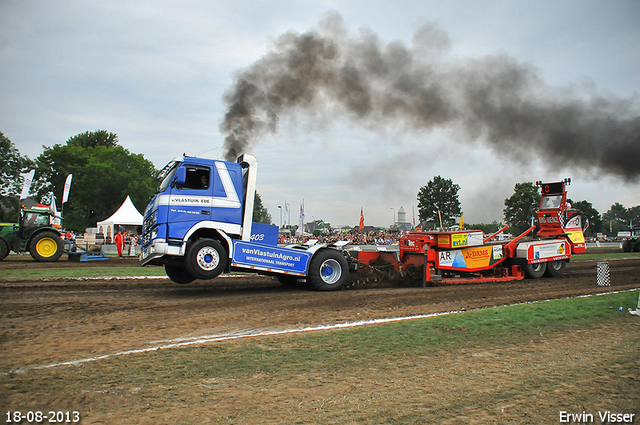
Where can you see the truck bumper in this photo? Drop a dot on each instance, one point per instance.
(159, 249)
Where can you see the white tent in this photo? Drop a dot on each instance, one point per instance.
(127, 215)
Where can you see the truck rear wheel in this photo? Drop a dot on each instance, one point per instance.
(46, 246)
(178, 274)
(555, 268)
(4, 249)
(534, 271)
(206, 259)
(328, 271)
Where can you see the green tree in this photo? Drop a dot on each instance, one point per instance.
(439, 195)
(616, 219)
(486, 228)
(12, 166)
(93, 139)
(591, 214)
(634, 216)
(260, 213)
(521, 206)
(104, 173)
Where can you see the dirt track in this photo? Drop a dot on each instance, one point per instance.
(45, 321)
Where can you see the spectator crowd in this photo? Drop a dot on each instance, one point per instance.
(354, 237)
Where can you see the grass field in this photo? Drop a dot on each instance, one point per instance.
(73, 270)
(614, 254)
(516, 364)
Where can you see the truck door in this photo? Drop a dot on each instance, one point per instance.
(189, 200)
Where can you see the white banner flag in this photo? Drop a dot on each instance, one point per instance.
(301, 224)
(27, 184)
(53, 204)
(286, 211)
(67, 187)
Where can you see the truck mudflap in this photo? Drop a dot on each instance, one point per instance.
(248, 255)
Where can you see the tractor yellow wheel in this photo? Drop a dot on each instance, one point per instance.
(46, 247)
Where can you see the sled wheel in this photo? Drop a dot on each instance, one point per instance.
(4, 249)
(534, 271)
(46, 246)
(178, 274)
(328, 271)
(555, 268)
(206, 259)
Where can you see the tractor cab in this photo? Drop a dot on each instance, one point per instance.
(34, 219)
(35, 233)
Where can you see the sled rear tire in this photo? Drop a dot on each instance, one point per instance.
(555, 268)
(535, 271)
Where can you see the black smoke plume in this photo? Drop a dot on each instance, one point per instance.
(494, 100)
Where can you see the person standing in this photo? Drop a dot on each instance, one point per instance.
(119, 240)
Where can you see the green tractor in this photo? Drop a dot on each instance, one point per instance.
(632, 243)
(35, 233)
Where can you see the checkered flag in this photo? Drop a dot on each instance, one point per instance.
(604, 278)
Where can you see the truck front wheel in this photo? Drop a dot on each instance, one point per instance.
(178, 274)
(328, 271)
(46, 246)
(206, 259)
(534, 271)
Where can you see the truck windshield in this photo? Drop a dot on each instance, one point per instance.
(169, 171)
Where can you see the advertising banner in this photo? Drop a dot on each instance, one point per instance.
(470, 258)
(270, 257)
(538, 252)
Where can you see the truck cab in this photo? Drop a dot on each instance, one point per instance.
(199, 224)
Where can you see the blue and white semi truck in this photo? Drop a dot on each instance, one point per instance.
(199, 224)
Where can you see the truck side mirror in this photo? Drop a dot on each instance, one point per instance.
(181, 177)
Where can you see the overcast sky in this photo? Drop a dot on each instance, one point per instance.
(155, 73)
